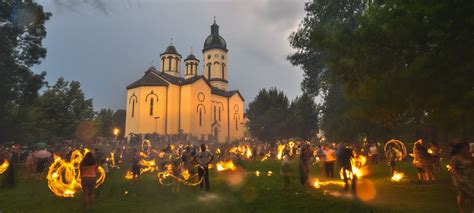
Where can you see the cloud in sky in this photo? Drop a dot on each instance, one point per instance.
(107, 44)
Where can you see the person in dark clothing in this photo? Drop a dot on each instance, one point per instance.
(305, 157)
(345, 157)
(88, 168)
(136, 164)
(9, 180)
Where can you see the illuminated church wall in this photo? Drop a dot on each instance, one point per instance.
(188, 101)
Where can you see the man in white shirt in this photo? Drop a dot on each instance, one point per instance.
(204, 158)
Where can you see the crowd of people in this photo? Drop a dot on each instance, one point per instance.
(195, 155)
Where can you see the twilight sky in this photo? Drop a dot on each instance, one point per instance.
(107, 44)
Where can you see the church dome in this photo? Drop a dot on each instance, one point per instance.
(215, 41)
(170, 50)
(191, 57)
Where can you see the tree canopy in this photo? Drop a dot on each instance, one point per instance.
(272, 117)
(399, 63)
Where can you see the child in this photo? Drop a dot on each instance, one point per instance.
(286, 169)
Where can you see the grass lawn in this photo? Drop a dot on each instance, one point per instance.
(256, 194)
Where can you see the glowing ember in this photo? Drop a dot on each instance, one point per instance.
(397, 176)
(449, 167)
(4, 166)
(64, 178)
(223, 166)
(269, 173)
(257, 173)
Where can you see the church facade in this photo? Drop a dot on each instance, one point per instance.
(172, 100)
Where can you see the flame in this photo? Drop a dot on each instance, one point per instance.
(358, 168)
(430, 151)
(185, 177)
(223, 166)
(185, 174)
(257, 173)
(397, 176)
(242, 150)
(449, 167)
(218, 151)
(248, 154)
(128, 175)
(269, 173)
(111, 159)
(145, 166)
(266, 157)
(317, 183)
(4, 166)
(281, 147)
(64, 178)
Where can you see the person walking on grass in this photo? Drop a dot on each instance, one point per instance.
(204, 158)
(305, 162)
(345, 156)
(286, 169)
(462, 173)
(88, 169)
(329, 159)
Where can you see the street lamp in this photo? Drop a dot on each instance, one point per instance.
(156, 126)
(116, 132)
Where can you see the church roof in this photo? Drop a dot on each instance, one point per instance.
(217, 91)
(149, 79)
(191, 57)
(170, 50)
(214, 41)
(153, 77)
(178, 80)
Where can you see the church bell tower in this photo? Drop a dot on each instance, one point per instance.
(215, 59)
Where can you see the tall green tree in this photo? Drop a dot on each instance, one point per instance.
(21, 33)
(61, 108)
(119, 121)
(303, 117)
(267, 115)
(104, 120)
(399, 63)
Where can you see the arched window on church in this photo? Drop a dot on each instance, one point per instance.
(133, 100)
(200, 117)
(209, 71)
(152, 102)
(215, 117)
(163, 64)
(177, 62)
(133, 109)
(236, 123)
(223, 71)
(219, 112)
(169, 62)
